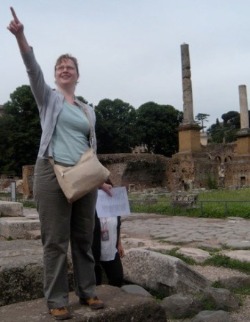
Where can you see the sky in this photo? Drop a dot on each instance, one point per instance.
(131, 49)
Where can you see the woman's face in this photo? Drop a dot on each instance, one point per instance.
(66, 73)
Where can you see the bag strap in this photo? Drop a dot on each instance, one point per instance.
(91, 134)
(86, 112)
(52, 162)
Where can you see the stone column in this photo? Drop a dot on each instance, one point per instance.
(188, 117)
(244, 119)
(189, 130)
(243, 135)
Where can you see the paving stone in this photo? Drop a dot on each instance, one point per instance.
(241, 255)
(198, 255)
(238, 244)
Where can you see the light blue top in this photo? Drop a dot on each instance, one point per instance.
(70, 138)
(50, 104)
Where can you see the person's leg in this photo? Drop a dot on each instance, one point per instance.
(54, 213)
(98, 273)
(82, 226)
(96, 250)
(114, 271)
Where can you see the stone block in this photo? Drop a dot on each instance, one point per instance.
(164, 274)
(17, 227)
(21, 272)
(11, 209)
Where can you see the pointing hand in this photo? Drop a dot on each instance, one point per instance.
(15, 26)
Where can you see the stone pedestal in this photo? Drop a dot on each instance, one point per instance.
(189, 138)
(243, 142)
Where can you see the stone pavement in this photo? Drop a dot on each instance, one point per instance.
(192, 235)
(231, 235)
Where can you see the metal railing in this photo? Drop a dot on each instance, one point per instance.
(224, 203)
(202, 208)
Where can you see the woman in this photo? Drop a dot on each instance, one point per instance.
(66, 124)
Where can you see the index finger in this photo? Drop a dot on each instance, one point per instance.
(14, 14)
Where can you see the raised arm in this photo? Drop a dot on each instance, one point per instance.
(39, 88)
(17, 29)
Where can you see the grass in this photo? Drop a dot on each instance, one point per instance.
(210, 204)
(215, 260)
(218, 203)
(225, 261)
(174, 252)
(244, 290)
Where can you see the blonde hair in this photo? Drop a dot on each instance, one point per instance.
(63, 57)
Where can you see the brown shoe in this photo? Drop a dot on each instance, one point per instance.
(61, 313)
(93, 302)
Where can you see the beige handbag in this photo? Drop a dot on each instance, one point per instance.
(78, 180)
(86, 175)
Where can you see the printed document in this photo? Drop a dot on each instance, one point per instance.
(117, 205)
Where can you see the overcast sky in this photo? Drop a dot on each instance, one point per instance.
(130, 49)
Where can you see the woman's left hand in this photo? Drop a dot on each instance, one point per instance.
(107, 188)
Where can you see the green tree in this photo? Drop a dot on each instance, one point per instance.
(225, 131)
(157, 127)
(231, 118)
(216, 132)
(201, 118)
(115, 126)
(20, 132)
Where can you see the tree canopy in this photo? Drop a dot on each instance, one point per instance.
(115, 126)
(19, 132)
(201, 118)
(119, 128)
(157, 127)
(226, 131)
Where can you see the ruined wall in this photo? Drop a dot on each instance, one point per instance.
(237, 172)
(140, 170)
(214, 166)
(126, 169)
(191, 171)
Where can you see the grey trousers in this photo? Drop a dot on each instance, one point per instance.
(61, 223)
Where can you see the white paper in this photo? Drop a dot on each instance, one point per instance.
(114, 206)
